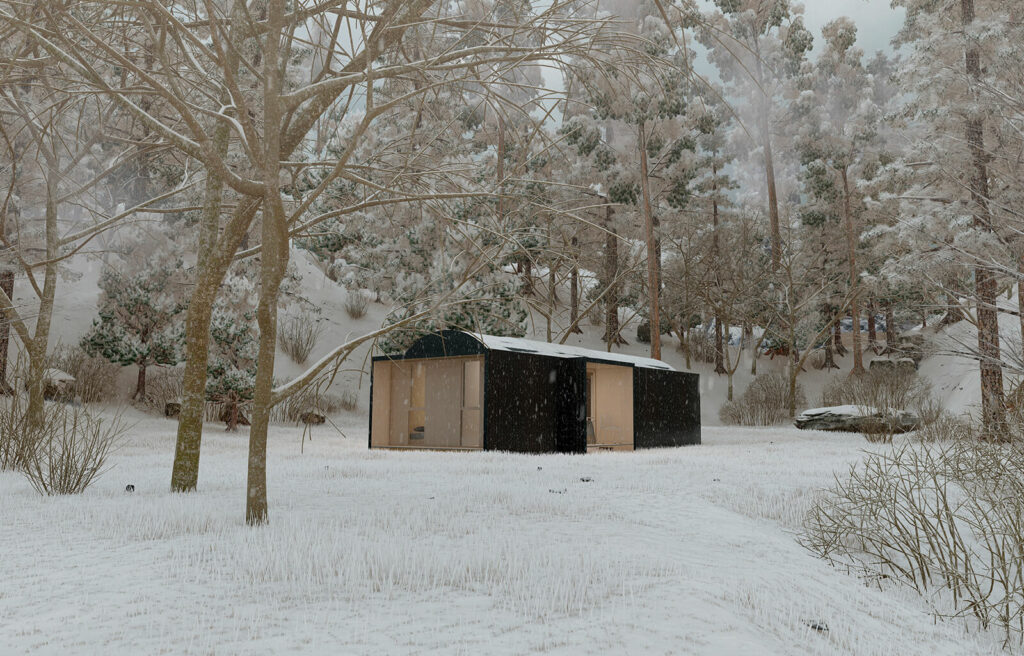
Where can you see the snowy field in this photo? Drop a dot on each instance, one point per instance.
(680, 551)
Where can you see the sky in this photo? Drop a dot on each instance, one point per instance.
(877, 22)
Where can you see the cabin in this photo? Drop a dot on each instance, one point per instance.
(461, 391)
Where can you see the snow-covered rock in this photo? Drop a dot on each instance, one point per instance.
(856, 419)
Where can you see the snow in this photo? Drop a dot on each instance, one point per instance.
(562, 351)
(841, 410)
(681, 551)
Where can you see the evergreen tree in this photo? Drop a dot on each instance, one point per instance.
(141, 305)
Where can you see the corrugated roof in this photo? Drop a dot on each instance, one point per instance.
(519, 345)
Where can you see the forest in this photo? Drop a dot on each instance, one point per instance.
(236, 203)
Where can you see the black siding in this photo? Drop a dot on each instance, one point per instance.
(666, 408)
(445, 344)
(572, 406)
(522, 402)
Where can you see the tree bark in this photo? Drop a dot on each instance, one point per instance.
(719, 348)
(872, 329)
(653, 279)
(140, 384)
(273, 263)
(890, 328)
(851, 255)
(769, 173)
(7, 286)
(611, 273)
(41, 336)
(993, 407)
(574, 291)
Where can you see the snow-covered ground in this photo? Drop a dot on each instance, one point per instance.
(678, 551)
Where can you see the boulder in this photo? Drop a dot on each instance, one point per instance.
(855, 419)
(892, 364)
(57, 385)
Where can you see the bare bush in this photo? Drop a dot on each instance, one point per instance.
(886, 390)
(69, 449)
(945, 516)
(356, 303)
(164, 385)
(95, 377)
(298, 336)
(13, 442)
(310, 400)
(765, 402)
(701, 346)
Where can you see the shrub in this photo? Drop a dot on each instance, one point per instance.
(356, 303)
(934, 516)
(95, 377)
(765, 402)
(298, 336)
(13, 442)
(701, 345)
(310, 399)
(164, 385)
(68, 450)
(889, 389)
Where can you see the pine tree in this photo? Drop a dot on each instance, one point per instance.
(139, 321)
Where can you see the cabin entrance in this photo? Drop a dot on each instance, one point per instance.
(428, 404)
(609, 407)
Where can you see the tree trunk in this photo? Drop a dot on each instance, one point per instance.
(273, 263)
(611, 273)
(140, 384)
(1020, 306)
(719, 348)
(851, 254)
(7, 285)
(41, 336)
(574, 293)
(890, 328)
(653, 281)
(769, 173)
(837, 338)
(872, 329)
(993, 408)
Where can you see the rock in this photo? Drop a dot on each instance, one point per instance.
(643, 332)
(893, 364)
(312, 418)
(172, 409)
(853, 419)
(57, 385)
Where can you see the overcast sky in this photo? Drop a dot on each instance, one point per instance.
(877, 22)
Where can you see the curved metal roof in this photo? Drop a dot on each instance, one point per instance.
(454, 342)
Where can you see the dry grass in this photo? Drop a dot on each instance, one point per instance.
(945, 516)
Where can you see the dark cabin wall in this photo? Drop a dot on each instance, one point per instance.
(666, 408)
(526, 396)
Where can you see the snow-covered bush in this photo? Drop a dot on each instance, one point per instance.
(141, 308)
(886, 389)
(935, 517)
(95, 377)
(298, 336)
(765, 402)
(68, 450)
